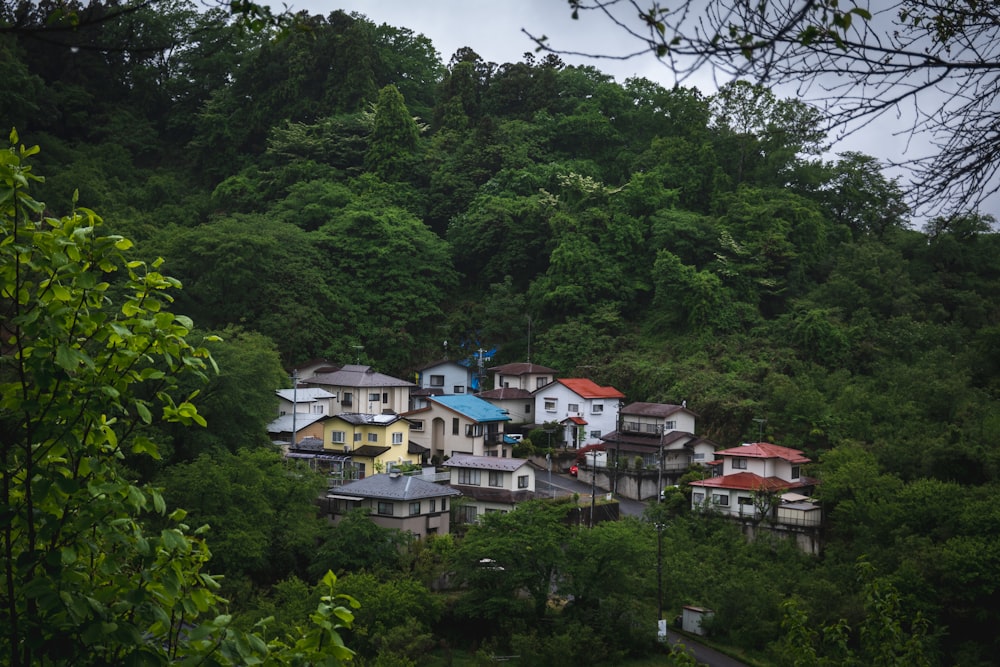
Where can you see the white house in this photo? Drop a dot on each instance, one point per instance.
(585, 410)
(752, 479)
(358, 388)
(305, 400)
(440, 378)
(490, 484)
(460, 424)
(526, 376)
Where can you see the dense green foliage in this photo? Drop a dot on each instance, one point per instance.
(342, 187)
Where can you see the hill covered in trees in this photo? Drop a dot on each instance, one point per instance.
(342, 187)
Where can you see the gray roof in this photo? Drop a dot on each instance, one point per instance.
(353, 375)
(504, 394)
(396, 487)
(484, 462)
(304, 394)
(521, 369)
(662, 410)
(283, 424)
(360, 418)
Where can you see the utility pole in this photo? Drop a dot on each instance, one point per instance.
(593, 484)
(295, 403)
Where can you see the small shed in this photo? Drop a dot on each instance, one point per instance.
(692, 618)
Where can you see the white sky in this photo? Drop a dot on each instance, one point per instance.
(495, 30)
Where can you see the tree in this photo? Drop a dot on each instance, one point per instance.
(938, 58)
(81, 374)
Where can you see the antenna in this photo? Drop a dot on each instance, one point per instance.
(357, 358)
(529, 339)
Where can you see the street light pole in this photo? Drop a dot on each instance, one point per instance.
(659, 571)
(295, 403)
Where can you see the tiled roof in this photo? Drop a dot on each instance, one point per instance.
(649, 439)
(485, 462)
(587, 388)
(396, 487)
(662, 410)
(472, 407)
(579, 421)
(353, 375)
(748, 481)
(369, 451)
(521, 369)
(765, 450)
(504, 393)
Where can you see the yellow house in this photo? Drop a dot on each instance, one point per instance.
(375, 443)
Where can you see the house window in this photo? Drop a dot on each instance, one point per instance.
(744, 500)
(434, 505)
(337, 437)
(496, 478)
(573, 407)
(385, 397)
(357, 437)
(459, 389)
(721, 499)
(317, 409)
(416, 424)
(467, 514)
(527, 408)
(373, 397)
(550, 405)
(597, 408)
(595, 434)
(348, 399)
(473, 430)
(437, 380)
(739, 463)
(397, 438)
(415, 508)
(669, 426)
(795, 472)
(384, 508)
(373, 437)
(541, 382)
(699, 456)
(454, 425)
(698, 497)
(444, 504)
(467, 476)
(522, 481)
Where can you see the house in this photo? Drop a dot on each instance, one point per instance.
(394, 500)
(518, 403)
(460, 424)
(305, 400)
(585, 410)
(490, 484)
(291, 428)
(526, 376)
(358, 388)
(439, 378)
(752, 479)
(375, 443)
(662, 434)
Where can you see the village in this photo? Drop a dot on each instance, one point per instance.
(420, 455)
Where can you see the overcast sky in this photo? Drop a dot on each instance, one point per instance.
(495, 30)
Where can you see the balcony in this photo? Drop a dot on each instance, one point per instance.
(641, 428)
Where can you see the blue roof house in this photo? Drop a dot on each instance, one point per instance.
(460, 424)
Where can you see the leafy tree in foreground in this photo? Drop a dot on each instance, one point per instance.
(82, 580)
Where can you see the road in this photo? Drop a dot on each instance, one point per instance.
(567, 485)
(705, 655)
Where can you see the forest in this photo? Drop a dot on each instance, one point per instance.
(341, 190)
